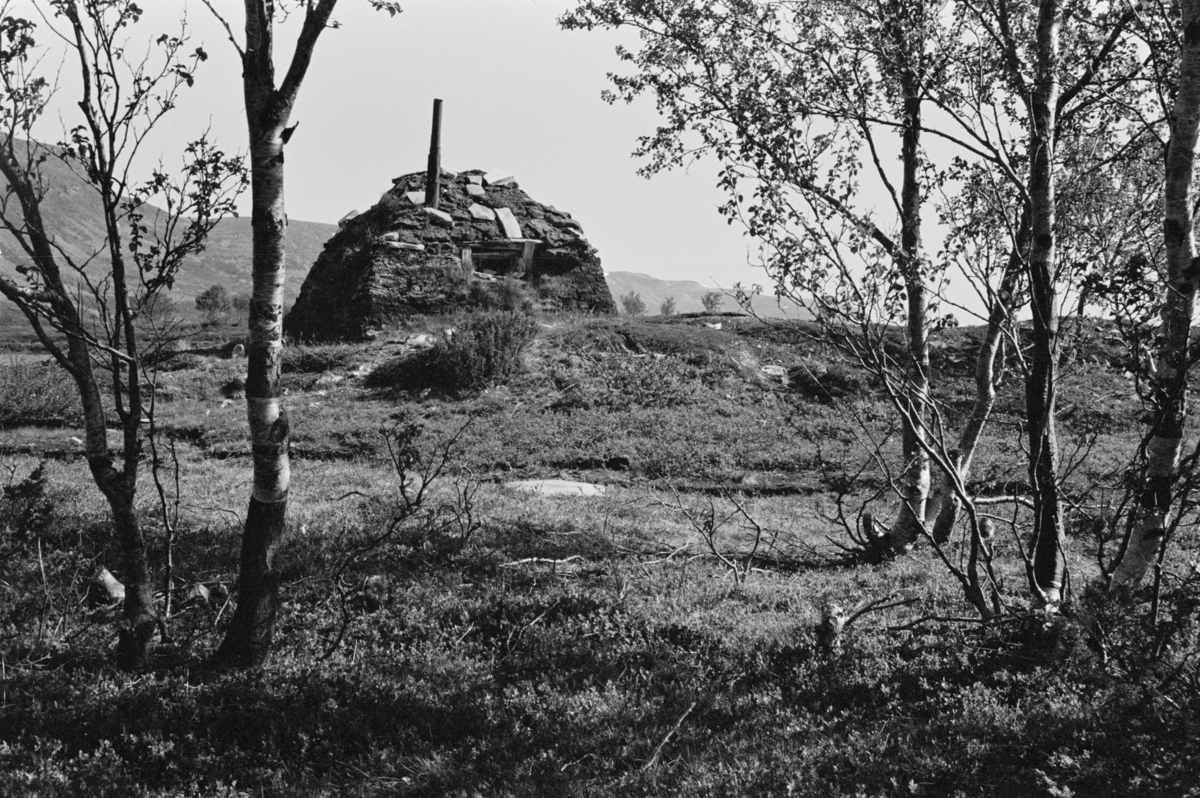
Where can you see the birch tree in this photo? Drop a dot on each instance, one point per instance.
(794, 99)
(84, 309)
(269, 104)
(799, 102)
(1170, 409)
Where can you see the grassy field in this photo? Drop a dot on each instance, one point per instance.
(656, 640)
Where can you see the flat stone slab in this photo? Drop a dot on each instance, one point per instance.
(498, 178)
(477, 179)
(476, 190)
(508, 222)
(556, 487)
(481, 212)
(439, 217)
(405, 245)
(415, 197)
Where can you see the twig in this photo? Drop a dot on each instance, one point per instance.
(934, 618)
(877, 605)
(987, 500)
(541, 561)
(666, 738)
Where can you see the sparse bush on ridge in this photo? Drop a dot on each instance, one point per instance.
(712, 301)
(633, 304)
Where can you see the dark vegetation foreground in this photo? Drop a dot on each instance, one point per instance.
(494, 643)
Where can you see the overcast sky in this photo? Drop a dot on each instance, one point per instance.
(520, 95)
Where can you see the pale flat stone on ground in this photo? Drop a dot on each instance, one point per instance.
(420, 340)
(555, 487)
(476, 190)
(476, 179)
(415, 197)
(512, 228)
(498, 178)
(481, 212)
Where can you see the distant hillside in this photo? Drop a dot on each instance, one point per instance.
(72, 213)
(687, 295)
(226, 258)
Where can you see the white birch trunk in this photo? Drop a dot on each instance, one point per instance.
(1171, 384)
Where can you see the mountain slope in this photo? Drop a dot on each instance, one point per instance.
(687, 293)
(74, 219)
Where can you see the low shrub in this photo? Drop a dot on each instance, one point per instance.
(660, 382)
(181, 361)
(484, 349)
(25, 506)
(508, 294)
(826, 383)
(317, 358)
(36, 393)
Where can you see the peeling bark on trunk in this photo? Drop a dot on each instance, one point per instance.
(1041, 385)
(1171, 381)
(915, 394)
(248, 640)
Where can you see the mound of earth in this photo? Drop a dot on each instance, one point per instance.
(401, 259)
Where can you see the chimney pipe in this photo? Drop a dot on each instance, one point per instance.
(433, 190)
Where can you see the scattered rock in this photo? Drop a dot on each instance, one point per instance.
(475, 190)
(419, 340)
(104, 588)
(775, 372)
(197, 594)
(415, 197)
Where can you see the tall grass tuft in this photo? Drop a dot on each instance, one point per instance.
(35, 393)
